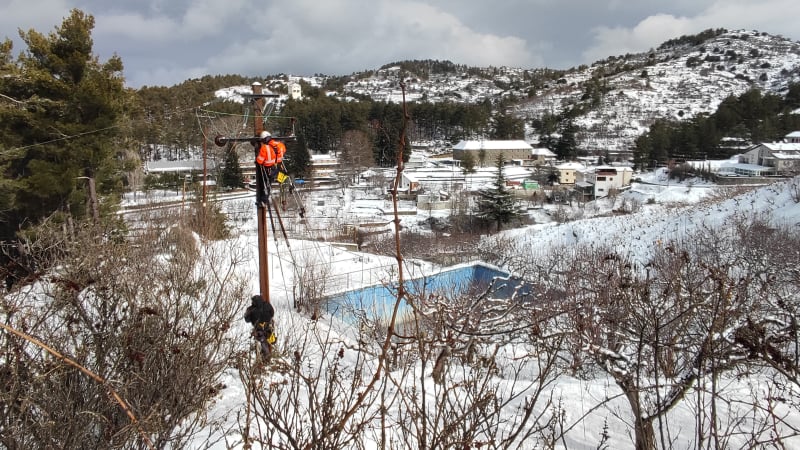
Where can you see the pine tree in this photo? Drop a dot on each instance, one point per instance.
(231, 175)
(497, 204)
(297, 159)
(508, 127)
(63, 126)
(566, 147)
(468, 163)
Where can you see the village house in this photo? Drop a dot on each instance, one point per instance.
(295, 90)
(601, 180)
(539, 156)
(452, 179)
(782, 158)
(323, 166)
(183, 166)
(567, 172)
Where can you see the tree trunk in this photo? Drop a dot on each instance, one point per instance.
(643, 429)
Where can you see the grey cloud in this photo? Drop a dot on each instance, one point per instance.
(167, 41)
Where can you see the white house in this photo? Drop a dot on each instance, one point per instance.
(567, 172)
(184, 166)
(782, 157)
(605, 178)
(323, 166)
(295, 91)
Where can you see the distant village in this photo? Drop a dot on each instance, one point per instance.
(434, 173)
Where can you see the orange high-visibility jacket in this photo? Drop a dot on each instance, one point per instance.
(280, 150)
(266, 155)
(271, 153)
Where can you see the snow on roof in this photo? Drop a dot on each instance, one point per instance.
(784, 155)
(541, 151)
(186, 165)
(783, 146)
(410, 177)
(493, 145)
(617, 168)
(751, 166)
(570, 166)
(323, 157)
(794, 134)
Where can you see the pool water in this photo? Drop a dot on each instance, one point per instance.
(377, 301)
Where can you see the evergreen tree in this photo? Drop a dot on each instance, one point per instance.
(508, 127)
(63, 126)
(567, 146)
(297, 159)
(231, 175)
(497, 204)
(387, 120)
(468, 163)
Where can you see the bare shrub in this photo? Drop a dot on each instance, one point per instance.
(676, 323)
(152, 315)
(319, 379)
(794, 189)
(442, 248)
(629, 206)
(311, 282)
(208, 220)
(463, 343)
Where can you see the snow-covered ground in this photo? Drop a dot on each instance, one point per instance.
(666, 209)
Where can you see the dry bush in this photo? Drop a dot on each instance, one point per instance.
(794, 189)
(670, 327)
(482, 395)
(464, 343)
(316, 381)
(152, 315)
(208, 220)
(311, 282)
(441, 248)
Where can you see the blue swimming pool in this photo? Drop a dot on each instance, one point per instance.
(378, 301)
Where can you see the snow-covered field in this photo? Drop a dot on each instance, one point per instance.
(589, 408)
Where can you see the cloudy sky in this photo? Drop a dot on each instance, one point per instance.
(163, 42)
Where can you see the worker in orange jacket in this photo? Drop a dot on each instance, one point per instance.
(270, 154)
(266, 159)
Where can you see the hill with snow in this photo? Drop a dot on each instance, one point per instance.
(677, 81)
(615, 100)
(590, 410)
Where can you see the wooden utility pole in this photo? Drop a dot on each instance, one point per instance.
(257, 99)
(261, 208)
(205, 171)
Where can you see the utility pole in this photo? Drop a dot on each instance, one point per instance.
(257, 99)
(205, 171)
(261, 208)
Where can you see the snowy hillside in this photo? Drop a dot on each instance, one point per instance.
(677, 82)
(590, 411)
(619, 97)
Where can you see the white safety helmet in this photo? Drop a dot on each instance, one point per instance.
(264, 134)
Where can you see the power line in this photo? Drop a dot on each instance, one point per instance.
(65, 138)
